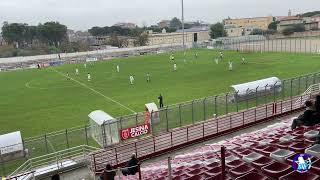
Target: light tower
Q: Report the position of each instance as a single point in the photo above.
(182, 20)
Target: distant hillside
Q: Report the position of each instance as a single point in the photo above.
(309, 14)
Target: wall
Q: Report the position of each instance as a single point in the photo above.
(259, 22)
(172, 38)
(278, 45)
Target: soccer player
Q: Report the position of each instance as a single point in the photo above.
(68, 77)
(148, 78)
(85, 65)
(243, 60)
(89, 77)
(160, 101)
(230, 66)
(131, 79)
(77, 71)
(175, 67)
(118, 68)
(216, 60)
(196, 55)
(221, 55)
(172, 57)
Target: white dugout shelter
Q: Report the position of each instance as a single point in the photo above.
(153, 111)
(104, 128)
(11, 146)
(258, 86)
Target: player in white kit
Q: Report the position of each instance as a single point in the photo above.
(77, 71)
(89, 77)
(243, 60)
(118, 68)
(85, 65)
(216, 60)
(131, 78)
(221, 55)
(230, 66)
(175, 67)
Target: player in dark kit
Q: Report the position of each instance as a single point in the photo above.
(160, 101)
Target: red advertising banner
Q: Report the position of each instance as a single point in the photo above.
(135, 131)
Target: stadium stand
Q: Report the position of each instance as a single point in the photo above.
(264, 154)
(258, 155)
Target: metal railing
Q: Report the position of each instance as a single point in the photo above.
(55, 161)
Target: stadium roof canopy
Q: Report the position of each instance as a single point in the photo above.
(259, 85)
(11, 142)
(100, 117)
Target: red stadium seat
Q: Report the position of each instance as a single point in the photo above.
(235, 163)
(259, 163)
(213, 165)
(299, 176)
(218, 177)
(195, 172)
(315, 166)
(252, 176)
(268, 150)
(276, 170)
(284, 145)
(240, 170)
(299, 147)
(196, 177)
(244, 153)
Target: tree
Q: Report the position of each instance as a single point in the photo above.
(114, 40)
(96, 31)
(142, 39)
(14, 33)
(31, 34)
(217, 30)
(294, 28)
(273, 25)
(310, 14)
(256, 32)
(53, 33)
(175, 23)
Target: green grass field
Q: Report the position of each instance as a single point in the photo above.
(41, 101)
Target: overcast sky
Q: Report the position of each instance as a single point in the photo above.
(83, 14)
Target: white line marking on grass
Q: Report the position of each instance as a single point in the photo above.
(50, 144)
(95, 91)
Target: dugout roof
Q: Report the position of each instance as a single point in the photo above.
(11, 142)
(152, 107)
(261, 84)
(100, 117)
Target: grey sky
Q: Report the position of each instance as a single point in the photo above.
(83, 14)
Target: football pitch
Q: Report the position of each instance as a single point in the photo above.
(41, 101)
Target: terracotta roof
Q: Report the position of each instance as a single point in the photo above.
(290, 18)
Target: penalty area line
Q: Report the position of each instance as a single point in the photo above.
(95, 91)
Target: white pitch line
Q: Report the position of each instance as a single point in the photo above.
(97, 92)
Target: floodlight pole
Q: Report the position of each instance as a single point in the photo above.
(182, 20)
